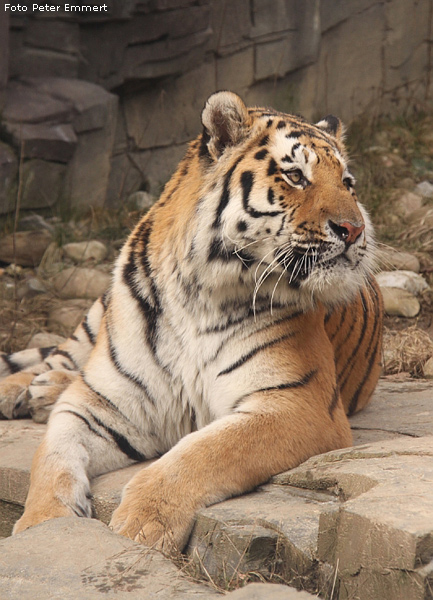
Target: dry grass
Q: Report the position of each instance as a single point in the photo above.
(21, 319)
(406, 350)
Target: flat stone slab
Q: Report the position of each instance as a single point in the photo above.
(357, 521)
(69, 558)
(272, 532)
(398, 409)
(268, 591)
(379, 539)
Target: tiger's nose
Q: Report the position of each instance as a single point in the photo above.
(346, 231)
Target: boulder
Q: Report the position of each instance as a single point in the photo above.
(400, 303)
(25, 248)
(75, 282)
(60, 36)
(407, 203)
(83, 251)
(425, 189)
(30, 287)
(39, 62)
(42, 183)
(160, 43)
(45, 340)
(380, 539)
(27, 104)
(66, 127)
(68, 315)
(44, 140)
(404, 280)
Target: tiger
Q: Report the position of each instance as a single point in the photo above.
(242, 326)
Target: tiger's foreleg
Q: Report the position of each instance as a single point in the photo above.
(75, 449)
(232, 455)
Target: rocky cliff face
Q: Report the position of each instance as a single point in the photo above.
(146, 67)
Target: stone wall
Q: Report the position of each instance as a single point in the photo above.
(152, 63)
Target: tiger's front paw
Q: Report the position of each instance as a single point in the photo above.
(154, 513)
(14, 395)
(37, 516)
(44, 391)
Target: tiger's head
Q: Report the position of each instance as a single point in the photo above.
(281, 207)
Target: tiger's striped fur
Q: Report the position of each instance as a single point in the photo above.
(242, 323)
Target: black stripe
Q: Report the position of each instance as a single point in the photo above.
(121, 369)
(72, 412)
(295, 147)
(74, 337)
(219, 251)
(260, 155)
(109, 404)
(131, 275)
(12, 366)
(104, 299)
(250, 313)
(256, 333)
(204, 148)
(246, 357)
(271, 196)
(290, 385)
(377, 323)
(44, 352)
(348, 366)
(121, 442)
(342, 318)
(88, 331)
(347, 336)
(65, 354)
(225, 196)
(247, 182)
(282, 386)
(334, 401)
(355, 397)
(272, 167)
(328, 316)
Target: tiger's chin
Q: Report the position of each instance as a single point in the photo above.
(335, 286)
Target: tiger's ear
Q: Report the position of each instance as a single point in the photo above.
(225, 121)
(332, 125)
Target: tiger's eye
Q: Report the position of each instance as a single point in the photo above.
(295, 176)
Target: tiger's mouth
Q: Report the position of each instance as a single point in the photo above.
(299, 264)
